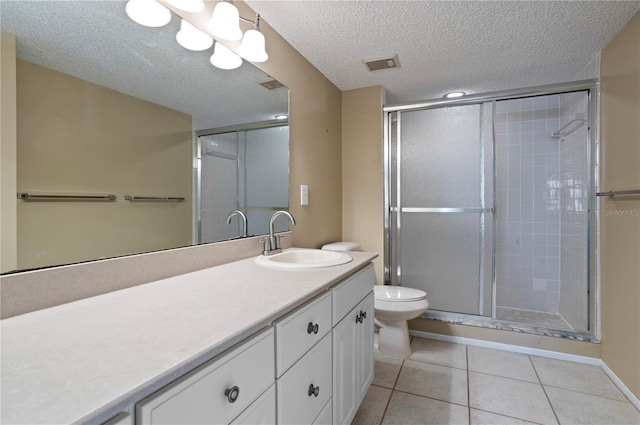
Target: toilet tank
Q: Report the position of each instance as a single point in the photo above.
(341, 246)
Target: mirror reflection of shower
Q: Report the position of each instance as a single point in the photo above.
(245, 170)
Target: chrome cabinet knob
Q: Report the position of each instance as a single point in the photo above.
(232, 394)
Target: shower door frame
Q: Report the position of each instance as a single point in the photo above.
(592, 87)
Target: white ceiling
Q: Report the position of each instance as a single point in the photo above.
(442, 46)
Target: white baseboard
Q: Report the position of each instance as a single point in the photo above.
(625, 390)
(535, 352)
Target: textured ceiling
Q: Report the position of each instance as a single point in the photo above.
(96, 41)
(442, 46)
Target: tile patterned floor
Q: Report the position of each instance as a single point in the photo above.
(535, 318)
(446, 383)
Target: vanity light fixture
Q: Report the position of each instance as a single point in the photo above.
(225, 22)
(224, 58)
(192, 38)
(149, 13)
(252, 46)
(454, 94)
(225, 25)
(193, 6)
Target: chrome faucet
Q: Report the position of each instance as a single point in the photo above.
(244, 220)
(271, 245)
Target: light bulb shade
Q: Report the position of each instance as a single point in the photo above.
(192, 38)
(252, 46)
(193, 6)
(224, 58)
(225, 22)
(149, 13)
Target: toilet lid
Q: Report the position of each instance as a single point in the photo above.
(397, 293)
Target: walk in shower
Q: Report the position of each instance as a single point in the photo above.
(490, 207)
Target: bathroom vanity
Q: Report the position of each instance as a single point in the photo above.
(237, 343)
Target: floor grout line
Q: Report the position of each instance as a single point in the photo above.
(430, 398)
(626, 400)
(392, 391)
(553, 410)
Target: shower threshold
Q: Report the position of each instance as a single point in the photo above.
(507, 325)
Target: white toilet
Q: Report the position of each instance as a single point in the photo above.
(394, 306)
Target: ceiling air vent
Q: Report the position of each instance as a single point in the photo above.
(271, 84)
(384, 63)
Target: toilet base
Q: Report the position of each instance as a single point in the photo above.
(393, 339)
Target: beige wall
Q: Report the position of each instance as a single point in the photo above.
(315, 140)
(8, 204)
(79, 138)
(362, 180)
(314, 131)
(619, 217)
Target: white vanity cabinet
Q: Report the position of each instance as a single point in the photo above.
(313, 366)
(352, 344)
(216, 392)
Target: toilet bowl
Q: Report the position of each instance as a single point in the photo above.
(394, 306)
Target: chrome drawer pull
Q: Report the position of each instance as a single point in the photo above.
(232, 394)
(313, 391)
(312, 328)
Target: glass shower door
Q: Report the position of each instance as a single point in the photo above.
(441, 204)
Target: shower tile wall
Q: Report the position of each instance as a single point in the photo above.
(574, 213)
(528, 204)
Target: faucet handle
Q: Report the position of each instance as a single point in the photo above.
(278, 238)
(265, 247)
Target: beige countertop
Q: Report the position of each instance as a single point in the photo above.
(87, 360)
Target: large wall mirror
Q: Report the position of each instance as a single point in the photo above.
(109, 107)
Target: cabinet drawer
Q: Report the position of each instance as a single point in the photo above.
(313, 371)
(324, 418)
(351, 291)
(300, 331)
(199, 397)
(261, 412)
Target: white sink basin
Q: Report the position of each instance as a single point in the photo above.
(304, 259)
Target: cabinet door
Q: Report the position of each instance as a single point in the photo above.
(324, 418)
(345, 368)
(365, 346)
